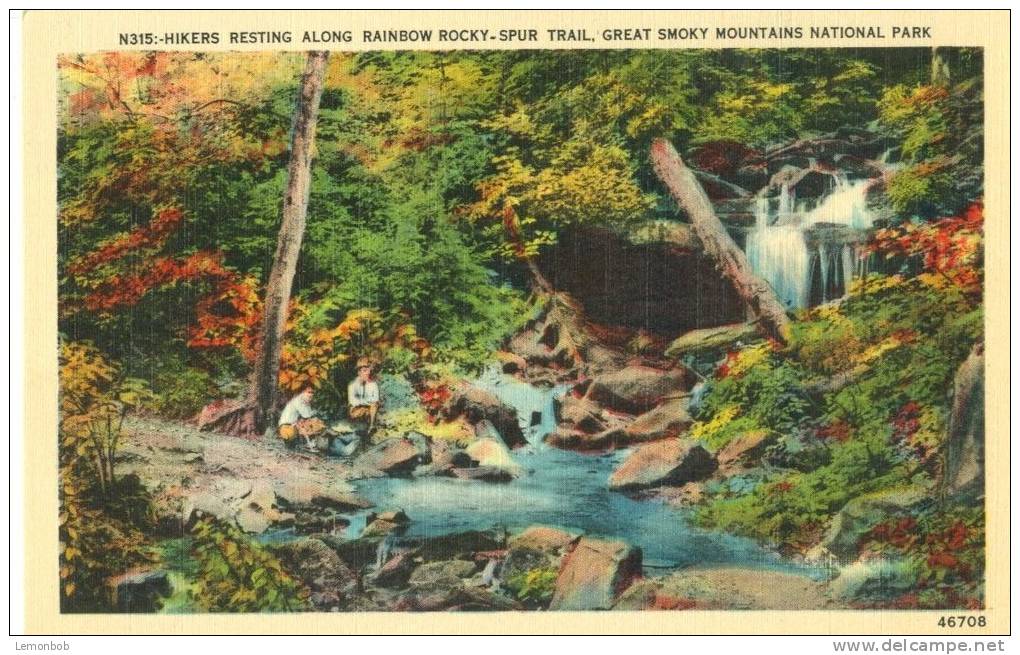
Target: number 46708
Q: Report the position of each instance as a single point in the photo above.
(962, 622)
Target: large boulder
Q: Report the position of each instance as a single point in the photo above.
(478, 405)
(637, 389)
(493, 455)
(730, 588)
(667, 462)
(394, 457)
(320, 568)
(139, 592)
(594, 574)
(670, 419)
(537, 548)
(964, 472)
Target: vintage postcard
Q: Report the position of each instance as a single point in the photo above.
(639, 322)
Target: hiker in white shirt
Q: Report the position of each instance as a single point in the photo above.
(363, 396)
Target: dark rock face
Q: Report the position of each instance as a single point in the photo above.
(637, 285)
(450, 546)
(358, 554)
(140, 592)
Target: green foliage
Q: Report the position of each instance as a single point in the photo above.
(758, 113)
(235, 574)
(181, 391)
(922, 189)
(940, 134)
(757, 389)
(534, 587)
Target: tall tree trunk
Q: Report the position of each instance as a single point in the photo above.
(252, 416)
(761, 300)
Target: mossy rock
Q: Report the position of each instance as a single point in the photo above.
(863, 513)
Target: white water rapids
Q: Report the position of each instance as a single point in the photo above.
(779, 252)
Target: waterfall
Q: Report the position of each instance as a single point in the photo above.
(778, 250)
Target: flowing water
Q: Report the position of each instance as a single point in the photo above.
(563, 489)
(779, 248)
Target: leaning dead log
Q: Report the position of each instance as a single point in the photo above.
(756, 293)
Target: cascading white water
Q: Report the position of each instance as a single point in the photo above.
(778, 250)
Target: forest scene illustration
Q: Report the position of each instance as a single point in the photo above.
(632, 330)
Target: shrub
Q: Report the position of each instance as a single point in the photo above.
(534, 587)
(181, 391)
(236, 574)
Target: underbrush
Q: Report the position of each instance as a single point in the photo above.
(855, 403)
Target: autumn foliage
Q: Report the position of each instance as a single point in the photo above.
(949, 247)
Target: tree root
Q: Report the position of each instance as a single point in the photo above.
(239, 418)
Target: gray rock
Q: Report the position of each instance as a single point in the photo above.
(860, 515)
(483, 473)
(964, 471)
(395, 572)
(319, 567)
(140, 592)
(442, 575)
(394, 457)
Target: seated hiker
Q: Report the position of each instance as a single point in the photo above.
(363, 396)
(298, 418)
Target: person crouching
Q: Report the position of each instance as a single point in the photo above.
(298, 419)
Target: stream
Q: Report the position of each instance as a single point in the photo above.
(563, 489)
